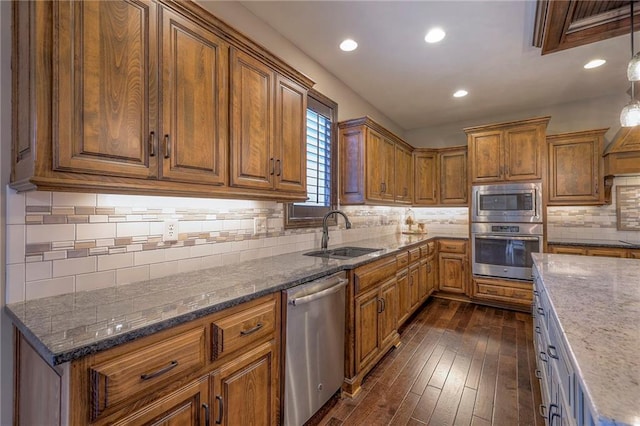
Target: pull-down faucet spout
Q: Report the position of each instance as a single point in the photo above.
(325, 227)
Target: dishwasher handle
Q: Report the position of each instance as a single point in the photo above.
(340, 283)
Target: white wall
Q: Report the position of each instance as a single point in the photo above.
(351, 105)
(6, 344)
(585, 115)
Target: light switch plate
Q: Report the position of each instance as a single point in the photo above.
(170, 230)
(259, 225)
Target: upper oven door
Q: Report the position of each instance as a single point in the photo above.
(521, 202)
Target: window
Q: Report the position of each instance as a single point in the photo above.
(321, 148)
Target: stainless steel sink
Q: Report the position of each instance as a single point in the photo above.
(342, 252)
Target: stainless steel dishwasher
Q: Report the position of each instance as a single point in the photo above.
(314, 358)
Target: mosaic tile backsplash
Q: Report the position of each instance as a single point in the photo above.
(596, 222)
(67, 242)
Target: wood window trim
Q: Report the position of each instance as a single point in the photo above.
(299, 216)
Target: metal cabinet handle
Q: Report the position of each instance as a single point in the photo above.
(251, 330)
(539, 374)
(278, 168)
(171, 366)
(540, 311)
(541, 409)
(152, 144)
(552, 413)
(535, 293)
(379, 306)
(596, 186)
(537, 329)
(220, 409)
(207, 414)
(384, 305)
(273, 167)
(552, 351)
(167, 146)
(544, 357)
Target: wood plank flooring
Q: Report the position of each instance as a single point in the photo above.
(458, 364)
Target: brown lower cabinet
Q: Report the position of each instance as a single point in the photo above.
(453, 266)
(222, 368)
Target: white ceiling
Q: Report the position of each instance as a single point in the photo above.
(487, 51)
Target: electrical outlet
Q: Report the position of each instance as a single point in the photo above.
(170, 230)
(259, 225)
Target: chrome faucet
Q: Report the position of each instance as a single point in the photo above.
(325, 228)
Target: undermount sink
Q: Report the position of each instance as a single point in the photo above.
(342, 252)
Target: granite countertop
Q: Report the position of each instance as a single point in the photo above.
(67, 327)
(597, 303)
(594, 242)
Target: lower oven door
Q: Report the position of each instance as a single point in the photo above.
(504, 256)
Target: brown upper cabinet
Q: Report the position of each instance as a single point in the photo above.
(576, 168)
(440, 176)
(268, 123)
(510, 151)
(135, 97)
(375, 164)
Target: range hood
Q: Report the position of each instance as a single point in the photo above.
(622, 156)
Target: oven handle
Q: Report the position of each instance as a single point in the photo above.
(499, 237)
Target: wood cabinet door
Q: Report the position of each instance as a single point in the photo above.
(452, 272)
(374, 165)
(387, 166)
(522, 153)
(188, 406)
(245, 390)
(252, 117)
(193, 141)
(353, 165)
(367, 308)
(403, 176)
(432, 272)
(404, 296)
(423, 283)
(414, 286)
(290, 136)
(575, 169)
(485, 150)
(389, 315)
(105, 91)
(453, 178)
(425, 178)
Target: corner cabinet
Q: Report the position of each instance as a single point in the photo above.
(134, 97)
(506, 152)
(440, 177)
(222, 368)
(375, 164)
(576, 169)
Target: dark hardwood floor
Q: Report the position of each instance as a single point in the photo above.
(458, 364)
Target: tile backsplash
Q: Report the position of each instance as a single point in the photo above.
(67, 242)
(597, 222)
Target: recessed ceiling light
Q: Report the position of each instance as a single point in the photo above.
(594, 63)
(348, 45)
(434, 35)
(460, 93)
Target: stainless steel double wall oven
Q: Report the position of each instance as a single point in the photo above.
(506, 227)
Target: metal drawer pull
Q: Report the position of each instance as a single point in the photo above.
(539, 374)
(207, 415)
(167, 146)
(552, 414)
(541, 311)
(537, 329)
(171, 366)
(251, 330)
(543, 357)
(152, 144)
(552, 351)
(541, 410)
(220, 409)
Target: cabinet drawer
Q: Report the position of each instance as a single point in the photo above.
(145, 370)
(369, 275)
(236, 331)
(414, 255)
(452, 246)
(402, 260)
(503, 291)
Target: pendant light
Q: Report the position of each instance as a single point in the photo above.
(630, 115)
